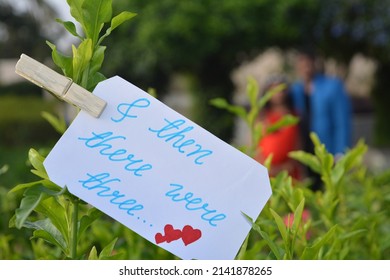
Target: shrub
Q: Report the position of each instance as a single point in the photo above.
(348, 219)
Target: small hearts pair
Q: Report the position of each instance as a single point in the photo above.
(188, 234)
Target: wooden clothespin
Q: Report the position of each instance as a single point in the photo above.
(61, 86)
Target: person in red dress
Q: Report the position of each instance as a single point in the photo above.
(284, 140)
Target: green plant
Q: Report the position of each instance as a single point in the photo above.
(256, 128)
(349, 219)
(62, 218)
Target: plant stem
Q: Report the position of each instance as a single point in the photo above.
(75, 216)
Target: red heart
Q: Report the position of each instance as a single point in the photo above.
(159, 238)
(190, 235)
(171, 234)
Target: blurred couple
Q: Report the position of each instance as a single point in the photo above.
(322, 105)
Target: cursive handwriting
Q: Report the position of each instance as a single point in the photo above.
(125, 108)
(105, 141)
(195, 204)
(172, 133)
(100, 184)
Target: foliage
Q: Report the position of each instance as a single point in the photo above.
(58, 220)
(349, 219)
(256, 128)
(86, 60)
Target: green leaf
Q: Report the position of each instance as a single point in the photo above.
(297, 221)
(327, 161)
(94, 77)
(106, 253)
(94, 80)
(95, 14)
(282, 228)
(283, 122)
(221, 103)
(87, 220)
(52, 188)
(62, 61)
(257, 132)
(337, 174)
(293, 196)
(39, 173)
(76, 10)
(311, 253)
(36, 161)
(70, 26)
(251, 117)
(278, 182)
(45, 186)
(353, 157)
(81, 59)
(12, 222)
(58, 123)
(117, 21)
(48, 237)
(268, 161)
(97, 60)
(120, 19)
(252, 91)
(298, 216)
(272, 245)
(243, 248)
(307, 159)
(314, 138)
(52, 209)
(274, 248)
(46, 230)
(32, 197)
(351, 234)
(25, 186)
(269, 94)
(93, 254)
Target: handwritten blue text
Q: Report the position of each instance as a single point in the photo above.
(125, 108)
(171, 133)
(105, 141)
(100, 184)
(195, 204)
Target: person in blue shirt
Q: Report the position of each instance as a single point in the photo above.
(323, 105)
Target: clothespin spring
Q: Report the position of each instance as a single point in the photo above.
(61, 86)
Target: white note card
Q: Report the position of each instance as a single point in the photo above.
(160, 174)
